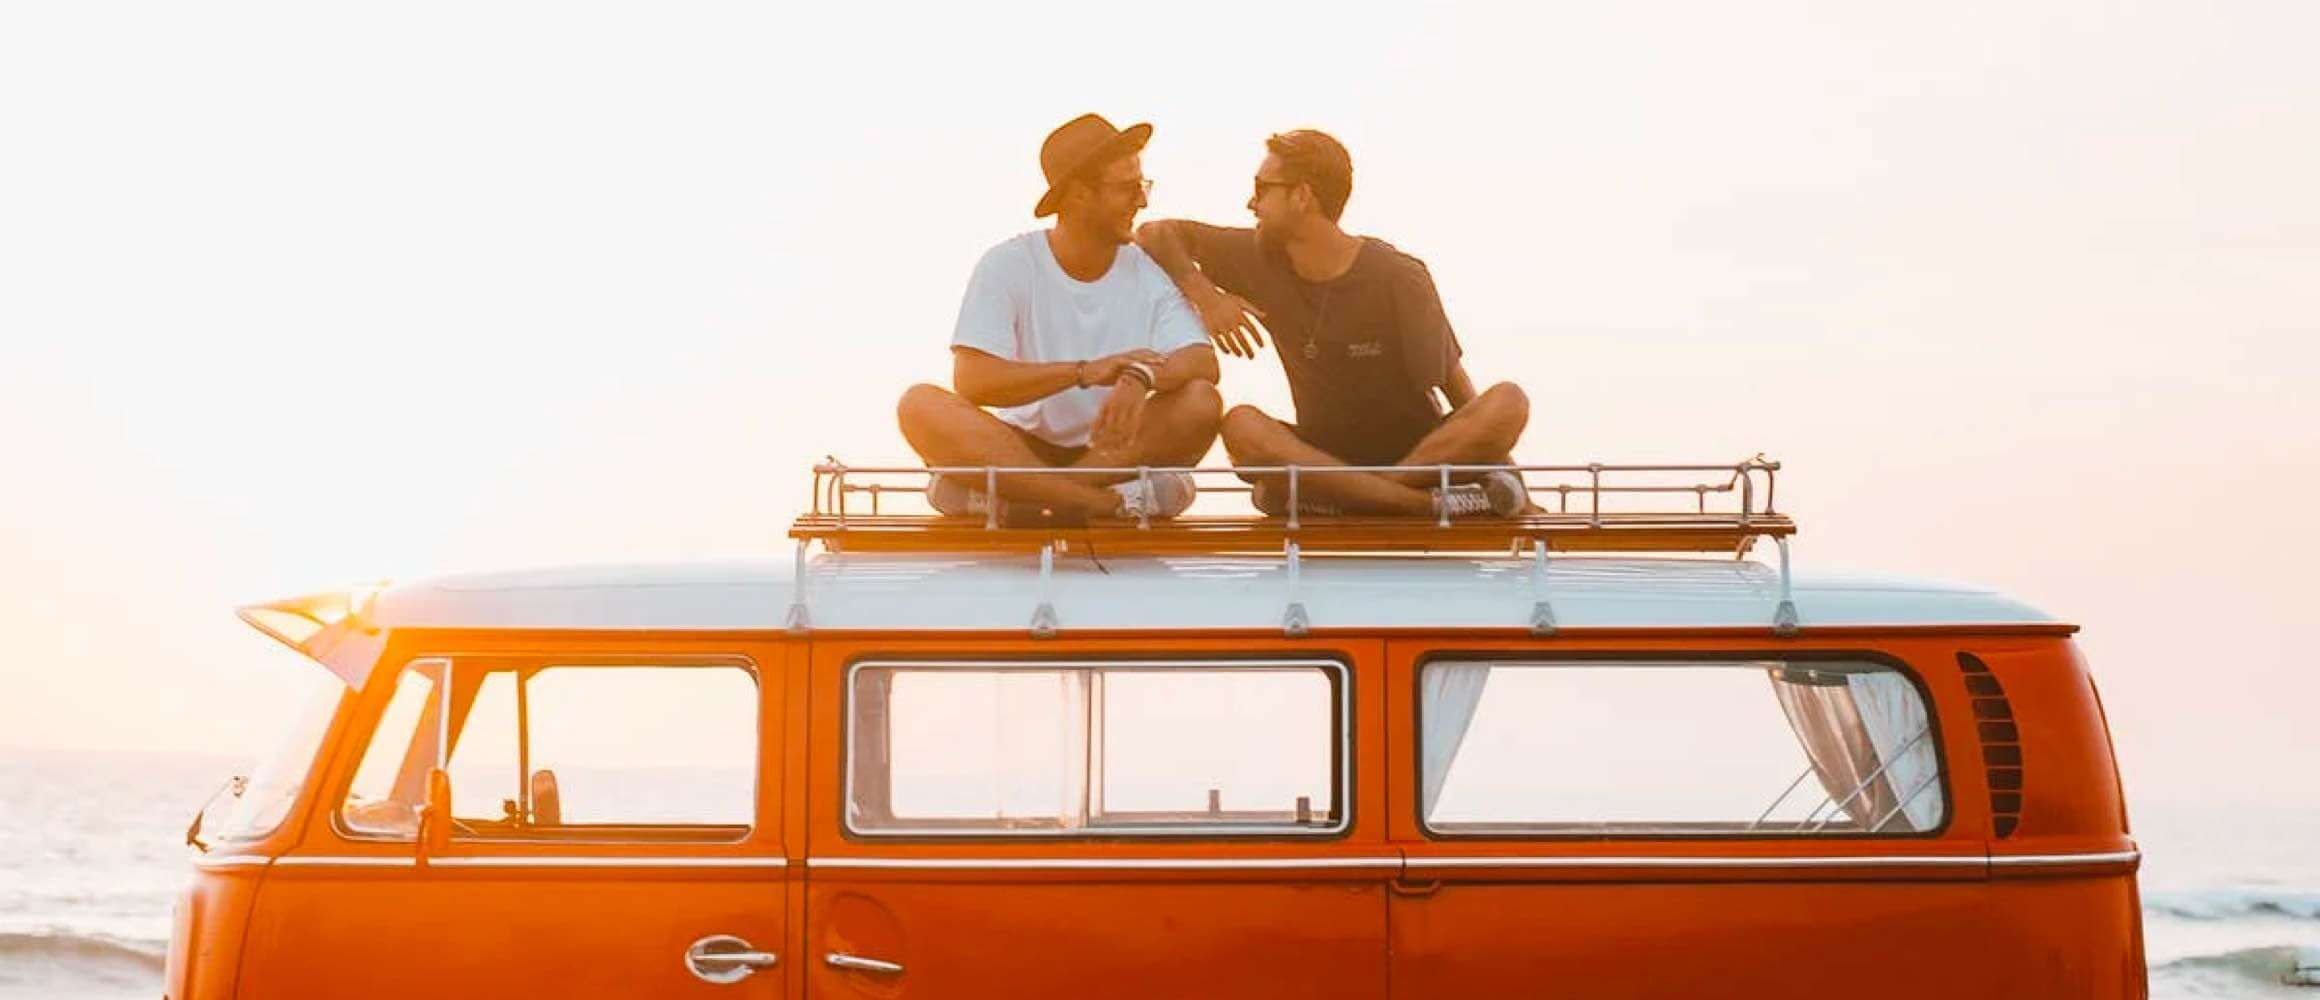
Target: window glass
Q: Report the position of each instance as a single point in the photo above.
(485, 759)
(1676, 748)
(613, 752)
(273, 786)
(391, 782)
(1098, 749)
(645, 746)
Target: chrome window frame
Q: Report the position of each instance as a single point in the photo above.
(543, 660)
(1338, 671)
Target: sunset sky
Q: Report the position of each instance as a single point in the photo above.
(294, 296)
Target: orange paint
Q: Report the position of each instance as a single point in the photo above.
(1379, 909)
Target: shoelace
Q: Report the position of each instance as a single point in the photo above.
(1135, 500)
(1462, 500)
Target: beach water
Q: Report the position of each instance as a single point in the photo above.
(92, 852)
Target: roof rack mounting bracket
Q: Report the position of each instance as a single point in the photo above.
(799, 622)
(1295, 623)
(1784, 621)
(1542, 611)
(1043, 617)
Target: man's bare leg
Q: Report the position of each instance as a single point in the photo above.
(1482, 432)
(945, 429)
(1253, 438)
(1179, 427)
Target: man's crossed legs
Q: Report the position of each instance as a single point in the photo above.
(1483, 432)
(1177, 428)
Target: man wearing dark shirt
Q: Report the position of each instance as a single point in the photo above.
(1362, 338)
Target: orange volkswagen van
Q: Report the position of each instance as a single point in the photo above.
(1594, 751)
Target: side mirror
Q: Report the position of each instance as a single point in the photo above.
(435, 815)
(547, 802)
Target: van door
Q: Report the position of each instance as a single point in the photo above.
(1106, 820)
(617, 833)
(1655, 822)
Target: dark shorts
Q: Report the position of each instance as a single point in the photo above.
(1369, 449)
(1050, 454)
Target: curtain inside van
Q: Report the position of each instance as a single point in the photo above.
(1895, 717)
(1866, 736)
(1449, 694)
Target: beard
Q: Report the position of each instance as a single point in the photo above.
(1269, 236)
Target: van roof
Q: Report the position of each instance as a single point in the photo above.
(1001, 591)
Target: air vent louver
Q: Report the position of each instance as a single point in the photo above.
(2001, 744)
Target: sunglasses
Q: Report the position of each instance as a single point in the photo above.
(1141, 185)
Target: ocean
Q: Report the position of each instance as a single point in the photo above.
(92, 851)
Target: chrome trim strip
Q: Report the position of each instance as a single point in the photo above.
(1886, 861)
(1889, 861)
(2045, 860)
(1194, 864)
(623, 862)
(1099, 864)
(322, 861)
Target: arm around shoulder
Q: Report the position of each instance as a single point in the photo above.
(1170, 246)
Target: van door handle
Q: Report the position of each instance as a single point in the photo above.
(841, 960)
(723, 958)
(1414, 890)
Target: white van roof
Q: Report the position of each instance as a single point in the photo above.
(999, 592)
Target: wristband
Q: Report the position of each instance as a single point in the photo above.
(1144, 373)
(1079, 374)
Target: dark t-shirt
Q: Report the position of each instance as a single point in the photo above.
(1363, 351)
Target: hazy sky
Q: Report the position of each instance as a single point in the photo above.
(298, 295)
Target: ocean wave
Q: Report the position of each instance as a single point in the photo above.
(2244, 972)
(2233, 904)
(83, 949)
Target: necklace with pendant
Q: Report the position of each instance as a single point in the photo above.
(1313, 331)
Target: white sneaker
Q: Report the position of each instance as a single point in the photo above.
(952, 498)
(1508, 496)
(1496, 494)
(1170, 494)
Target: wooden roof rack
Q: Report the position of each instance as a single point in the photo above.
(1596, 507)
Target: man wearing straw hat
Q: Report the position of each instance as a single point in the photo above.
(1364, 343)
(1072, 350)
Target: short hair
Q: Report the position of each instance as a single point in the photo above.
(1317, 161)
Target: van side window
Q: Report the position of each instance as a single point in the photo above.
(1676, 748)
(1096, 749)
(594, 752)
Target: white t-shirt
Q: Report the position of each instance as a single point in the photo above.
(1020, 306)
